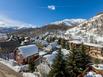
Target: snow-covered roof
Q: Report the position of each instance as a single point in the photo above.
(99, 38)
(94, 45)
(50, 57)
(43, 68)
(42, 53)
(28, 50)
(89, 44)
(54, 44)
(65, 51)
(43, 42)
(75, 41)
(98, 66)
(98, 75)
(49, 47)
(92, 74)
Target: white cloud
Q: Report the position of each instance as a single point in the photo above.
(51, 7)
(8, 22)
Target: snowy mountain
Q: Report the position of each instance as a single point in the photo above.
(69, 22)
(11, 29)
(89, 31)
(9, 25)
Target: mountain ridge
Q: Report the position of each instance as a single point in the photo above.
(62, 25)
(69, 22)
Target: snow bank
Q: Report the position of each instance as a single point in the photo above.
(29, 75)
(42, 53)
(10, 64)
(13, 65)
(65, 51)
(51, 57)
(43, 68)
(92, 74)
(98, 66)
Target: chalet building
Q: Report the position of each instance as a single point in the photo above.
(26, 41)
(26, 54)
(89, 46)
(51, 47)
(94, 50)
(74, 44)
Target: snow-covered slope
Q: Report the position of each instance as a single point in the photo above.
(88, 31)
(9, 25)
(69, 22)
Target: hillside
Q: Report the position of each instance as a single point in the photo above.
(41, 30)
(89, 31)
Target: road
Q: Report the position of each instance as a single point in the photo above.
(7, 72)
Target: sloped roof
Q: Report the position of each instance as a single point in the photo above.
(28, 50)
(94, 45)
(89, 44)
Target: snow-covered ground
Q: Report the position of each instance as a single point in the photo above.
(51, 57)
(12, 64)
(29, 75)
(90, 31)
(92, 74)
(98, 66)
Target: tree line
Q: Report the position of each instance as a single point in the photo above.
(71, 65)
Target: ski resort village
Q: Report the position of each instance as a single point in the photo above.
(51, 38)
(75, 52)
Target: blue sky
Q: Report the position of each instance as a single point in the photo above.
(40, 12)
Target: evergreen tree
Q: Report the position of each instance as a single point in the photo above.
(83, 59)
(49, 39)
(32, 66)
(71, 67)
(77, 61)
(63, 43)
(53, 38)
(67, 46)
(58, 66)
(59, 41)
(97, 61)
